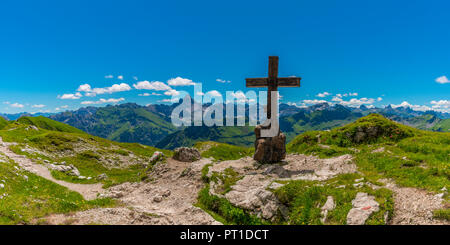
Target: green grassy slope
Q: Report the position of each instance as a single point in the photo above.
(91, 155)
(442, 126)
(317, 120)
(3, 123)
(410, 156)
(222, 151)
(26, 197)
(48, 124)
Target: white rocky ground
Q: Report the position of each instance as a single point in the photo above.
(170, 195)
(415, 207)
(166, 200)
(251, 192)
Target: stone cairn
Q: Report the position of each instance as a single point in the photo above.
(270, 149)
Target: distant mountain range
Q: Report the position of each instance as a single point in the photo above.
(124, 123)
(15, 116)
(151, 125)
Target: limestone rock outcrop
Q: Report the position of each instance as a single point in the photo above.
(186, 154)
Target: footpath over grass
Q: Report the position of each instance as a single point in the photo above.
(92, 156)
(26, 196)
(385, 149)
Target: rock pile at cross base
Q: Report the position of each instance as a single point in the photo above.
(269, 150)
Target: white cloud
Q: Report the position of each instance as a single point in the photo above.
(91, 92)
(441, 105)
(313, 102)
(84, 88)
(442, 80)
(109, 76)
(172, 92)
(61, 107)
(174, 100)
(379, 99)
(114, 88)
(102, 101)
(215, 93)
(179, 81)
(403, 104)
(42, 111)
(222, 81)
(238, 95)
(120, 77)
(148, 94)
(200, 93)
(155, 85)
(414, 107)
(357, 102)
(135, 78)
(322, 95)
(295, 104)
(337, 99)
(346, 94)
(38, 106)
(70, 96)
(17, 105)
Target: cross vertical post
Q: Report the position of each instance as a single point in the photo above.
(272, 83)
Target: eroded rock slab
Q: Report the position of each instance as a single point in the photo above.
(251, 193)
(328, 206)
(363, 206)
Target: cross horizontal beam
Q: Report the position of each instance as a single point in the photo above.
(264, 82)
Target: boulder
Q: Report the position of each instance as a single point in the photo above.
(157, 199)
(102, 177)
(156, 157)
(270, 149)
(74, 171)
(250, 193)
(60, 168)
(166, 193)
(328, 206)
(186, 154)
(363, 206)
(32, 127)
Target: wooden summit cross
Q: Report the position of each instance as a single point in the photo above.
(272, 82)
(271, 149)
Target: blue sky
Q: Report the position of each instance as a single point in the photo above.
(386, 52)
